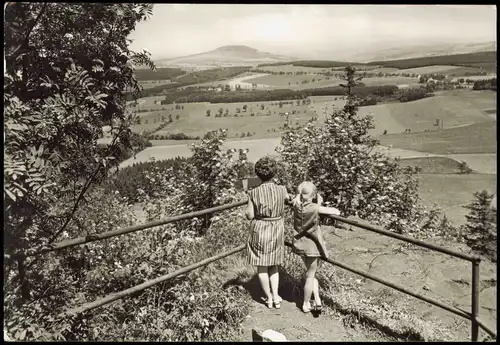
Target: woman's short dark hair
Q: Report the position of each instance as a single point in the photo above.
(266, 168)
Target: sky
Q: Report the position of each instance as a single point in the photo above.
(304, 30)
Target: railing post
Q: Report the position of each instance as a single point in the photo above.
(475, 300)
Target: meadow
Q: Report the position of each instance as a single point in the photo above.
(454, 71)
(308, 81)
(147, 84)
(457, 109)
(192, 118)
(454, 108)
(475, 138)
(452, 192)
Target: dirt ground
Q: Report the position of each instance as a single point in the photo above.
(296, 325)
(420, 270)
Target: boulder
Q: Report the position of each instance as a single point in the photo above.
(268, 335)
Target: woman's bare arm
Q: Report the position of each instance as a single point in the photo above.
(249, 212)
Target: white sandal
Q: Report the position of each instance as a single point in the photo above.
(277, 303)
(306, 309)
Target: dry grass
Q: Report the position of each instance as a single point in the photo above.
(452, 192)
(454, 108)
(476, 138)
(433, 165)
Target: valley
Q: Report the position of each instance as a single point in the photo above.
(467, 130)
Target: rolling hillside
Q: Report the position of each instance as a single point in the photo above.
(469, 60)
(476, 138)
(399, 52)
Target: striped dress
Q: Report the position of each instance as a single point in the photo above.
(266, 244)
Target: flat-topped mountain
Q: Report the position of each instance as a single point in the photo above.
(232, 55)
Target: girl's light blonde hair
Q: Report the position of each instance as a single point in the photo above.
(307, 191)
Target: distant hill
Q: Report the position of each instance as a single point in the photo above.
(487, 60)
(418, 51)
(235, 55)
(484, 60)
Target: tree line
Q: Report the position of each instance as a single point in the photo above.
(158, 74)
(198, 77)
(455, 60)
(192, 95)
(485, 84)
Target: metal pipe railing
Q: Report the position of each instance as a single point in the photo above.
(432, 301)
(490, 332)
(150, 283)
(97, 237)
(475, 301)
(379, 230)
(476, 323)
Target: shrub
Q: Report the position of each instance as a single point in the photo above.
(485, 84)
(413, 94)
(134, 182)
(480, 231)
(337, 158)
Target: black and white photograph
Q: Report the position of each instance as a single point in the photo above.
(203, 172)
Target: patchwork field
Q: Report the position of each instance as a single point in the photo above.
(454, 108)
(293, 69)
(476, 138)
(146, 84)
(295, 82)
(446, 69)
(469, 125)
(192, 118)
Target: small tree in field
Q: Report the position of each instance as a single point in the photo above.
(339, 158)
(480, 232)
(464, 168)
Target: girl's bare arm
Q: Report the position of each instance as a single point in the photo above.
(328, 211)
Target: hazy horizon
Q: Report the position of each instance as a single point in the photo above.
(182, 29)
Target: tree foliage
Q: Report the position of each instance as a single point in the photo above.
(480, 232)
(341, 159)
(67, 67)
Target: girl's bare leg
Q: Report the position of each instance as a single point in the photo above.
(274, 278)
(311, 266)
(262, 272)
(317, 299)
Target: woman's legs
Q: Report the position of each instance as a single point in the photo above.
(264, 281)
(274, 278)
(309, 288)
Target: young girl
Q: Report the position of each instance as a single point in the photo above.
(308, 242)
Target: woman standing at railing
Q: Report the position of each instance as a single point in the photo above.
(266, 245)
